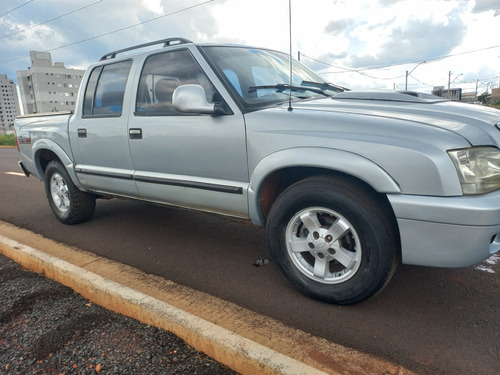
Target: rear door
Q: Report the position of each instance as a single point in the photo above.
(102, 153)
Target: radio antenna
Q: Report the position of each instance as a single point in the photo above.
(290, 57)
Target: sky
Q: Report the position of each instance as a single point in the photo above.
(359, 44)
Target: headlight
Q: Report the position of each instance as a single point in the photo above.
(478, 169)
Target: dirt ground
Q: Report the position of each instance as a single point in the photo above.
(45, 328)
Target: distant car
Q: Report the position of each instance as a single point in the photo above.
(348, 184)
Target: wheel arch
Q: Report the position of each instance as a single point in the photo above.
(280, 170)
(45, 151)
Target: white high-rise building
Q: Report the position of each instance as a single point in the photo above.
(48, 88)
(9, 104)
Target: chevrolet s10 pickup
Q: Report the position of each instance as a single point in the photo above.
(348, 184)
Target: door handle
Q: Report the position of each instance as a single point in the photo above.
(135, 133)
(82, 133)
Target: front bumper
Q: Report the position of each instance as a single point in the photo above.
(447, 231)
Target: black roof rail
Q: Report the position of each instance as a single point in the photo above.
(165, 42)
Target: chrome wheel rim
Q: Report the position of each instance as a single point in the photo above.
(323, 245)
(59, 192)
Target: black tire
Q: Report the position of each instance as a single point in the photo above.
(333, 239)
(70, 205)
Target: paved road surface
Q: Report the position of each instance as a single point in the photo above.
(432, 321)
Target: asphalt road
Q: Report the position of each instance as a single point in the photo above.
(431, 321)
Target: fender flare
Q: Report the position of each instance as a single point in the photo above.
(331, 159)
(41, 145)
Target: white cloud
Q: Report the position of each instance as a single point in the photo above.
(153, 5)
(250, 22)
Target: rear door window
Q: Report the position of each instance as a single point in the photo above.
(106, 89)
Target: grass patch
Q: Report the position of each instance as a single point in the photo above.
(7, 140)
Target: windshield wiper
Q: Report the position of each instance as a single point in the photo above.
(325, 86)
(284, 86)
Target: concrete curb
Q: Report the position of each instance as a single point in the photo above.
(239, 353)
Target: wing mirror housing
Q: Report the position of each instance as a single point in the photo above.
(193, 99)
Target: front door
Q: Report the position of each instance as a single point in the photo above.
(194, 161)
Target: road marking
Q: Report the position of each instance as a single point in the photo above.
(15, 173)
(487, 265)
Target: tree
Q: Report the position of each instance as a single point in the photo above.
(484, 97)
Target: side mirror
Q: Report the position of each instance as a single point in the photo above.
(193, 99)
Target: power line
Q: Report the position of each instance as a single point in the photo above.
(20, 6)
(419, 81)
(52, 19)
(360, 71)
(114, 31)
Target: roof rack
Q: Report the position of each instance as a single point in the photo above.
(165, 42)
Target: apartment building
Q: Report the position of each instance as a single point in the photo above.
(454, 94)
(47, 87)
(9, 104)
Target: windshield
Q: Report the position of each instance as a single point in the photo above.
(262, 77)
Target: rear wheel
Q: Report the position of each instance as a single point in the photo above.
(333, 240)
(70, 205)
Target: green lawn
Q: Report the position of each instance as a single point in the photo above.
(7, 140)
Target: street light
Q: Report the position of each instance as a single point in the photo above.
(407, 74)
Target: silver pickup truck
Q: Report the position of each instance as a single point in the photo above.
(348, 184)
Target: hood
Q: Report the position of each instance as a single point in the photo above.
(479, 125)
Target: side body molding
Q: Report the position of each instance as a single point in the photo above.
(331, 159)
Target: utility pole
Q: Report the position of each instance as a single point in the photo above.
(450, 82)
(449, 79)
(407, 74)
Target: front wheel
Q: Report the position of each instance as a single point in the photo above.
(70, 205)
(333, 240)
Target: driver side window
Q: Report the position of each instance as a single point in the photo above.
(161, 75)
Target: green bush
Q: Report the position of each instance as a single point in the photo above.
(7, 140)
(495, 104)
